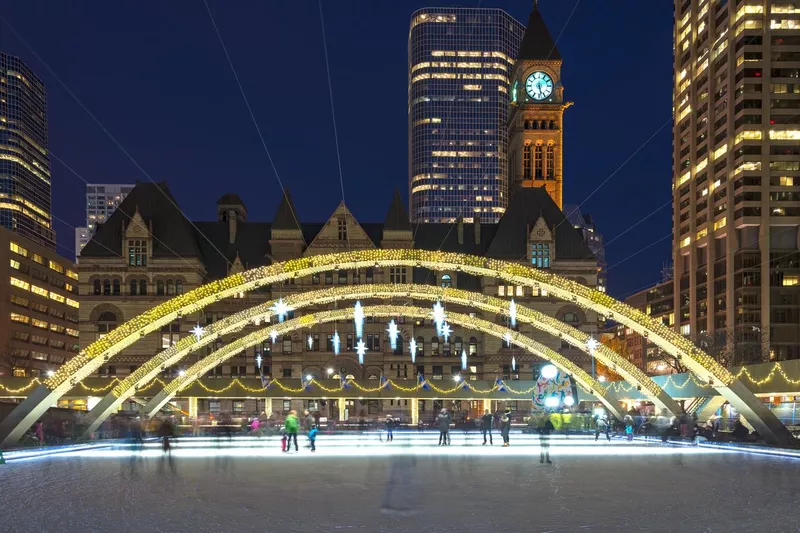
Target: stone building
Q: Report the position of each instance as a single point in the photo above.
(148, 252)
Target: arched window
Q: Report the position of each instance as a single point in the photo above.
(535, 124)
(106, 287)
(170, 287)
(97, 289)
(287, 345)
(116, 287)
(160, 287)
(434, 345)
(537, 163)
(178, 286)
(526, 162)
(399, 348)
(571, 317)
(446, 347)
(134, 287)
(473, 346)
(143, 287)
(420, 347)
(107, 321)
(551, 162)
(459, 345)
(447, 281)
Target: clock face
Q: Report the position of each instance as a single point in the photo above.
(539, 85)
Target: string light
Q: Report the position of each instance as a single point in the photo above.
(393, 333)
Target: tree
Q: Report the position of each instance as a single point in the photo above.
(8, 360)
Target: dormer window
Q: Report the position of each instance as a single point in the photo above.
(342, 229)
(137, 252)
(540, 255)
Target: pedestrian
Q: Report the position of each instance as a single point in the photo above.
(309, 420)
(505, 426)
(443, 421)
(292, 425)
(165, 431)
(40, 433)
(486, 427)
(601, 426)
(545, 429)
(420, 426)
(628, 420)
(312, 437)
(390, 424)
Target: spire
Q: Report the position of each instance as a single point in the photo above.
(537, 42)
(285, 218)
(397, 217)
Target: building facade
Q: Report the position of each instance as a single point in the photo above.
(24, 163)
(536, 117)
(131, 265)
(459, 68)
(101, 200)
(593, 239)
(38, 307)
(656, 302)
(736, 183)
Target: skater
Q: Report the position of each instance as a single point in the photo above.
(628, 427)
(443, 421)
(309, 420)
(390, 424)
(40, 433)
(284, 443)
(601, 426)
(505, 426)
(292, 425)
(545, 428)
(486, 427)
(312, 437)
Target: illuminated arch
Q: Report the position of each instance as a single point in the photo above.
(202, 366)
(261, 313)
(697, 361)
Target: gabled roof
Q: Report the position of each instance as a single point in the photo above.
(397, 217)
(537, 42)
(230, 199)
(175, 235)
(526, 206)
(286, 217)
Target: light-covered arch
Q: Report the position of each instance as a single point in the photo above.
(205, 364)
(263, 313)
(697, 361)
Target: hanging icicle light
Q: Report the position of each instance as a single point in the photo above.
(412, 347)
(273, 335)
(438, 316)
(336, 342)
(310, 343)
(393, 334)
(463, 359)
(507, 338)
(258, 361)
(512, 313)
(446, 331)
(280, 309)
(361, 350)
(513, 363)
(358, 318)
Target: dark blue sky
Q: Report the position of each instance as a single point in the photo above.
(154, 74)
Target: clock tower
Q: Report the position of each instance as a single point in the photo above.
(535, 123)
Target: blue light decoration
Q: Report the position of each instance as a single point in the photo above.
(463, 359)
(513, 363)
(273, 335)
(361, 350)
(446, 331)
(280, 309)
(512, 313)
(358, 318)
(258, 361)
(310, 343)
(507, 338)
(336, 342)
(412, 347)
(393, 334)
(438, 316)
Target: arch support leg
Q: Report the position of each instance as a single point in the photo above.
(14, 426)
(756, 413)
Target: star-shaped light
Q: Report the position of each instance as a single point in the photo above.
(280, 309)
(512, 313)
(438, 316)
(507, 338)
(592, 344)
(513, 363)
(358, 318)
(336, 342)
(412, 347)
(361, 350)
(197, 331)
(393, 334)
(258, 361)
(273, 335)
(463, 359)
(310, 343)
(446, 331)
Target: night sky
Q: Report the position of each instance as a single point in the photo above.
(155, 76)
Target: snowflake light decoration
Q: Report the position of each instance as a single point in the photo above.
(412, 347)
(280, 309)
(361, 350)
(197, 331)
(358, 318)
(446, 331)
(393, 333)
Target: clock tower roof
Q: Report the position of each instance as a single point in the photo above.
(537, 42)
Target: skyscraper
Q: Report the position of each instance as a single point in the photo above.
(736, 183)
(459, 67)
(101, 201)
(24, 163)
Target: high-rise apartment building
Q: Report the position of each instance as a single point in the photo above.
(24, 163)
(101, 201)
(737, 177)
(593, 239)
(459, 67)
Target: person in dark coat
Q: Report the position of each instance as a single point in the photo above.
(486, 426)
(545, 429)
(505, 426)
(390, 425)
(443, 421)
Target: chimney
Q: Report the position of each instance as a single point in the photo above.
(460, 222)
(231, 226)
(477, 221)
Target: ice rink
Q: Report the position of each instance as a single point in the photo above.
(361, 484)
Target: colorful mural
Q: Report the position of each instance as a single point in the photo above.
(559, 386)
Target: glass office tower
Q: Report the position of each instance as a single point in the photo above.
(459, 65)
(24, 163)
